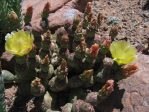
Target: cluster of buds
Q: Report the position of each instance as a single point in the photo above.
(44, 64)
(81, 49)
(37, 89)
(62, 71)
(60, 81)
(45, 44)
(46, 40)
(106, 90)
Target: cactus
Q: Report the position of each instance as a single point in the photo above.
(2, 92)
(95, 98)
(69, 61)
(37, 89)
(92, 98)
(81, 106)
(47, 101)
(67, 107)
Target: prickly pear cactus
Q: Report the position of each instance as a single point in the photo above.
(70, 62)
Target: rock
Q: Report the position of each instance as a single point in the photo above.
(132, 94)
(61, 11)
(136, 95)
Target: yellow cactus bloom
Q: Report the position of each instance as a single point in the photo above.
(123, 52)
(19, 43)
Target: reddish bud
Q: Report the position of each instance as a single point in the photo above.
(89, 7)
(107, 43)
(65, 39)
(45, 60)
(29, 11)
(108, 88)
(47, 7)
(94, 49)
(129, 69)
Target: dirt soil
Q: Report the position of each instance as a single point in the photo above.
(133, 16)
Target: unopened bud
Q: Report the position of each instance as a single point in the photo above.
(46, 36)
(100, 19)
(108, 88)
(37, 89)
(64, 39)
(128, 70)
(29, 11)
(94, 50)
(63, 64)
(88, 73)
(13, 16)
(107, 43)
(88, 7)
(114, 31)
(47, 7)
(45, 60)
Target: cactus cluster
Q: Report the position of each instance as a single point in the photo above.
(64, 66)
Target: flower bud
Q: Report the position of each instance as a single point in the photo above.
(87, 74)
(94, 50)
(88, 8)
(107, 43)
(106, 90)
(13, 16)
(29, 11)
(37, 89)
(47, 7)
(128, 70)
(114, 31)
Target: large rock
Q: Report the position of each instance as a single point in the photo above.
(132, 94)
(61, 11)
(136, 95)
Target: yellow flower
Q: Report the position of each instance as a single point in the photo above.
(19, 43)
(122, 52)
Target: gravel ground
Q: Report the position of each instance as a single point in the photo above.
(133, 16)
